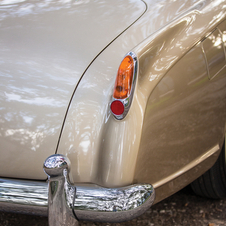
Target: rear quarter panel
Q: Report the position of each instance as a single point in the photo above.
(184, 122)
(148, 145)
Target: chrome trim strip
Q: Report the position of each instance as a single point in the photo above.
(23, 196)
(86, 201)
(128, 101)
(113, 205)
(91, 202)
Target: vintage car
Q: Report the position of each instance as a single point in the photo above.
(124, 102)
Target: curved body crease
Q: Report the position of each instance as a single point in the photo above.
(45, 48)
(59, 63)
(166, 132)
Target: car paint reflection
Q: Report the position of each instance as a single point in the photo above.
(42, 59)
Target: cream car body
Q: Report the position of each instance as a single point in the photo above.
(58, 74)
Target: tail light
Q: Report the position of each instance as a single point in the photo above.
(124, 86)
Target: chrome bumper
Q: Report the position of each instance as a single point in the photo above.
(66, 202)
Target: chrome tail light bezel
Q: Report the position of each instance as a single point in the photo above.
(128, 100)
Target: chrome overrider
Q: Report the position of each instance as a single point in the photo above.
(67, 203)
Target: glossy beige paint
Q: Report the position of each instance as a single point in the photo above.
(184, 121)
(105, 151)
(186, 174)
(45, 47)
(115, 153)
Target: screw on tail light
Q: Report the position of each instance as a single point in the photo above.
(124, 86)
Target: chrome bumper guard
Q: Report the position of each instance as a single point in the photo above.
(67, 203)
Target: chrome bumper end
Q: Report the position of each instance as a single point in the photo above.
(67, 203)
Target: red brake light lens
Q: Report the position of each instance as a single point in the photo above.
(117, 107)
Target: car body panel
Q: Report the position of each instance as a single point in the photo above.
(187, 98)
(164, 58)
(45, 49)
(175, 127)
(105, 151)
(214, 53)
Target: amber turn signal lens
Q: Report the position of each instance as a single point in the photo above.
(123, 83)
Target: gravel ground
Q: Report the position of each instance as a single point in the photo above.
(183, 208)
